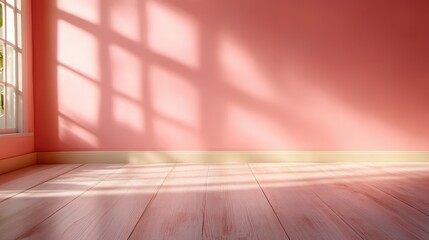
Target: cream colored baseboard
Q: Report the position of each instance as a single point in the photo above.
(14, 163)
(231, 156)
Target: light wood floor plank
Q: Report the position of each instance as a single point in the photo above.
(26, 210)
(411, 170)
(405, 215)
(409, 182)
(236, 207)
(217, 201)
(18, 181)
(109, 210)
(177, 210)
(302, 213)
(359, 210)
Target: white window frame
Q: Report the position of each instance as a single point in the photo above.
(15, 84)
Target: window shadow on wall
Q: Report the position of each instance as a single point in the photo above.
(182, 75)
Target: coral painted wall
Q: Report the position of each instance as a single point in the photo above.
(16, 145)
(231, 75)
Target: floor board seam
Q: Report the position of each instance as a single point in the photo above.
(65, 205)
(339, 217)
(150, 201)
(329, 207)
(40, 183)
(266, 197)
(205, 203)
(393, 196)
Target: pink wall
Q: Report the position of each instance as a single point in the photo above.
(15, 145)
(18, 144)
(231, 75)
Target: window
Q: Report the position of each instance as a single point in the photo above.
(10, 66)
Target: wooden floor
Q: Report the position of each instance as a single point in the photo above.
(216, 201)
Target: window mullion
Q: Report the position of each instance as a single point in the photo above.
(17, 86)
(5, 74)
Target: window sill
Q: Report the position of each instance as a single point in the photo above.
(16, 135)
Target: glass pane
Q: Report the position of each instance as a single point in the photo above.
(10, 29)
(11, 65)
(2, 75)
(19, 71)
(1, 99)
(19, 112)
(2, 21)
(11, 2)
(2, 107)
(18, 5)
(19, 30)
(11, 108)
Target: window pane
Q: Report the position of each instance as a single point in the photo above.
(2, 107)
(11, 76)
(19, 77)
(11, 108)
(19, 30)
(11, 2)
(2, 75)
(10, 29)
(10, 65)
(2, 23)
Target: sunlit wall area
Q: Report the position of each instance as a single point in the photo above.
(229, 75)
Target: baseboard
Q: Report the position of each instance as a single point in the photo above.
(14, 163)
(230, 156)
